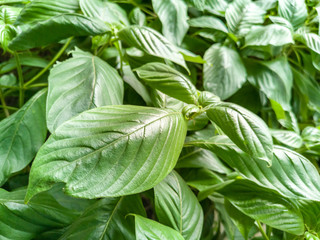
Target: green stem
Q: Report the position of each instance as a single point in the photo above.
(10, 108)
(4, 105)
(119, 48)
(262, 231)
(37, 85)
(9, 87)
(56, 57)
(21, 81)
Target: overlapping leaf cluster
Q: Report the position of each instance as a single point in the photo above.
(161, 119)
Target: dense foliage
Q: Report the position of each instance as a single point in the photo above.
(159, 119)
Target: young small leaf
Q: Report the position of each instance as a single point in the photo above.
(168, 81)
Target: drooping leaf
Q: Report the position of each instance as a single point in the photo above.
(242, 221)
(269, 35)
(224, 72)
(288, 138)
(309, 89)
(137, 17)
(244, 128)
(21, 135)
(241, 15)
(147, 229)
(87, 81)
(294, 11)
(291, 174)
(26, 221)
(56, 29)
(151, 42)
(177, 207)
(264, 205)
(173, 16)
(106, 11)
(168, 81)
(273, 78)
(110, 151)
(107, 219)
(208, 22)
(41, 10)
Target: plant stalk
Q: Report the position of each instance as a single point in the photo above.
(21, 81)
(264, 235)
(4, 105)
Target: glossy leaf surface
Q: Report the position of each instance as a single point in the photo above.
(87, 81)
(178, 207)
(110, 151)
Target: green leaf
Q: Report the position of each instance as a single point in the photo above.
(242, 221)
(169, 81)
(308, 88)
(147, 229)
(173, 16)
(137, 17)
(107, 219)
(295, 11)
(244, 128)
(151, 42)
(177, 207)
(241, 15)
(288, 138)
(201, 158)
(25, 60)
(264, 205)
(273, 78)
(198, 4)
(281, 21)
(110, 151)
(8, 14)
(88, 82)
(270, 35)
(26, 221)
(208, 22)
(291, 174)
(224, 72)
(108, 12)
(311, 40)
(56, 29)
(41, 10)
(21, 135)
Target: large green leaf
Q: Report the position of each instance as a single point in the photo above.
(270, 35)
(107, 219)
(151, 42)
(224, 72)
(41, 10)
(264, 205)
(173, 16)
(110, 151)
(273, 78)
(199, 4)
(147, 229)
(56, 29)
(26, 221)
(208, 22)
(244, 128)
(293, 10)
(87, 81)
(178, 207)
(106, 11)
(169, 81)
(21, 135)
(241, 15)
(291, 174)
